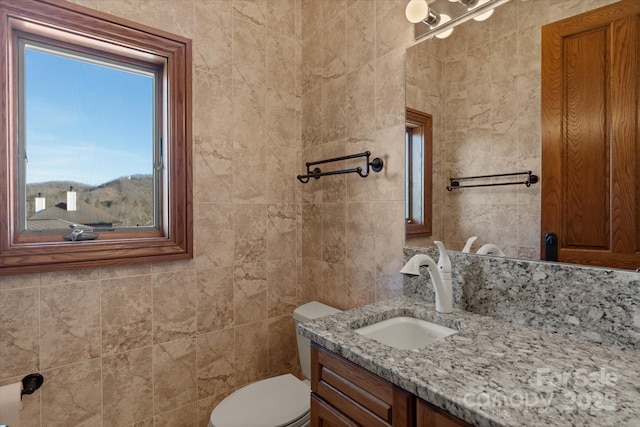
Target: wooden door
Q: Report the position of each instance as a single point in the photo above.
(590, 156)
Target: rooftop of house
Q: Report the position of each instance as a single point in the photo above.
(58, 217)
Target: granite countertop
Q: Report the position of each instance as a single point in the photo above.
(493, 373)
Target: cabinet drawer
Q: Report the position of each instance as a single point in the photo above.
(323, 415)
(362, 396)
(432, 416)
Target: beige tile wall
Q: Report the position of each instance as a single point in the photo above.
(492, 126)
(161, 344)
(353, 100)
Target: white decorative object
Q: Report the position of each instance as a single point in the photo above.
(10, 404)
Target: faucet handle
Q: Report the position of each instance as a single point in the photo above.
(467, 245)
(444, 262)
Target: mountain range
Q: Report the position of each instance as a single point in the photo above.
(130, 199)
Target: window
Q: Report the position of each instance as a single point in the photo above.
(96, 145)
(89, 138)
(418, 149)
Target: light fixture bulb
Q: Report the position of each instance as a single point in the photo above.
(483, 16)
(417, 11)
(443, 20)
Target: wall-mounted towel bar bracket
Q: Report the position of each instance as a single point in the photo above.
(376, 165)
(455, 182)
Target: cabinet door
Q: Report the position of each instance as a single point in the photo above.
(431, 416)
(361, 396)
(590, 155)
(323, 415)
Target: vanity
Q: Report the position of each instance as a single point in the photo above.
(345, 394)
(490, 373)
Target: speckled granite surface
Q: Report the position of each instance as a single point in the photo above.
(494, 373)
(596, 304)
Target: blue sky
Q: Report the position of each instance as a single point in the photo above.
(85, 122)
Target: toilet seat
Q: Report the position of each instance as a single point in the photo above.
(275, 402)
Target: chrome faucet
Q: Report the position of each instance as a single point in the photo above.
(440, 276)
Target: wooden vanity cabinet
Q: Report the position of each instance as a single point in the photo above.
(346, 395)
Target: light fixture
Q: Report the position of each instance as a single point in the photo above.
(416, 11)
(443, 20)
(483, 16)
(432, 19)
(441, 25)
(419, 11)
(466, 3)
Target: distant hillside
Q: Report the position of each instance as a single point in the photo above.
(128, 198)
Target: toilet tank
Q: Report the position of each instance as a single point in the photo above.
(309, 311)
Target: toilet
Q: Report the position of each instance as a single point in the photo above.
(281, 401)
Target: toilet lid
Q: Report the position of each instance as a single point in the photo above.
(273, 402)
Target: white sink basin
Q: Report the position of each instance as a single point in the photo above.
(405, 333)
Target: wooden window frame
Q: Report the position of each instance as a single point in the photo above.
(69, 25)
(423, 123)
